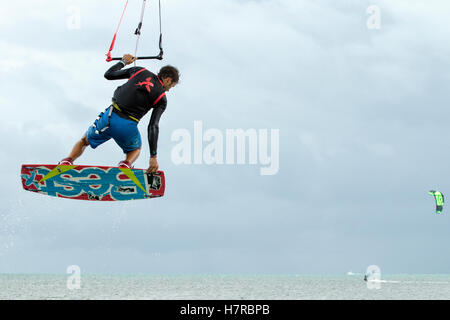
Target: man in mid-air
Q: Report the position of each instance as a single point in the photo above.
(143, 91)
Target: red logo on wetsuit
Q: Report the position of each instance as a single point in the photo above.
(147, 84)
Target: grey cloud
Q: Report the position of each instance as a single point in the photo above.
(362, 118)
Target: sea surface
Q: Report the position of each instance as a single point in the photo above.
(218, 287)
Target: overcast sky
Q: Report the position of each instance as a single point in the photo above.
(363, 124)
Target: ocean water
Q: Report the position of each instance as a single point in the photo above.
(228, 287)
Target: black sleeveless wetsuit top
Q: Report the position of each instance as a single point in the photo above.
(143, 91)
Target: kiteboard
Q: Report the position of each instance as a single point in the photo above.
(95, 183)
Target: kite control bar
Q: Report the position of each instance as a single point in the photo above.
(158, 57)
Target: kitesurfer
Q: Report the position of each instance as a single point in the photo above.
(143, 91)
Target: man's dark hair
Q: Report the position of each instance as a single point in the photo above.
(169, 72)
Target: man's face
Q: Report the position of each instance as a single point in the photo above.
(168, 83)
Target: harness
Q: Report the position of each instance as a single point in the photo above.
(121, 113)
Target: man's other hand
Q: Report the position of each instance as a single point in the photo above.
(153, 167)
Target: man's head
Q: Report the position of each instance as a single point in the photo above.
(169, 76)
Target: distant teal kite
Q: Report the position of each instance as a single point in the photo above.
(439, 198)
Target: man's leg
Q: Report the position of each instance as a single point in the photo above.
(126, 134)
(133, 155)
(130, 159)
(79, 148)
